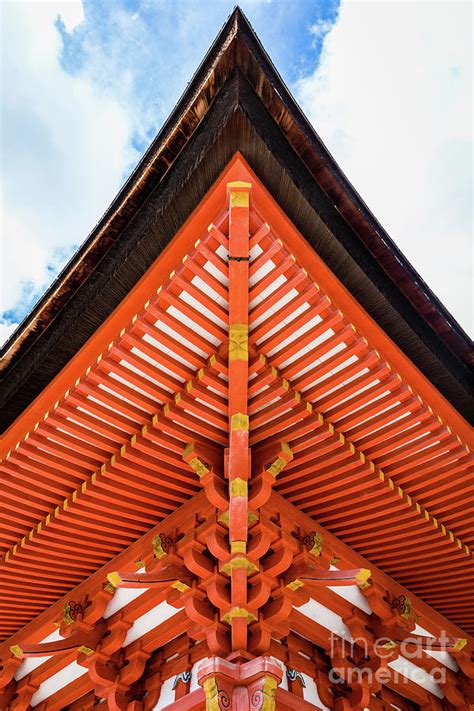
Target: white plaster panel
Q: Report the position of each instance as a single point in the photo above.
(416, 674)
(149, 621)
(166, 695)
(58, 681)
(28, 665)
(193, 684)
(123, 596)
(326, 618)
(310, 693)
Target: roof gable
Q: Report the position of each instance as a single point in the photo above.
(236, 101)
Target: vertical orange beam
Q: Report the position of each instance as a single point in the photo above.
(238, 461)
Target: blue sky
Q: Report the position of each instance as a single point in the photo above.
(86, 85)
(156, 45)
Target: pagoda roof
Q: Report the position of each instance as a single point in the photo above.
(378, 456)
(125, 370)
(235, 101)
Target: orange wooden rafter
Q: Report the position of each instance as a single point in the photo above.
(341, 606)
(342, 442)
(112, 421)
(238, 455)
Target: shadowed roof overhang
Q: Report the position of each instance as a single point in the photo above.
(235, 102)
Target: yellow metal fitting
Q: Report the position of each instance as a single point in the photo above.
(362, 578)
(239, 422)
(239, 563)
(408, 609)
(180, 586)
(295, 584)
(277, 466)
(269, 693)
(224, 518)
(239, 341)
(239, 193)
(238, 612)
(17, 651)
(114, 579)
(238, 546)
(316, 545)
(389, 645)
(157, 544)
(211, 693)
(85, 650)
(238, 487)
(198, 467)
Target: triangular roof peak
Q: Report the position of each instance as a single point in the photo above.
(236, 101)
(238, 326)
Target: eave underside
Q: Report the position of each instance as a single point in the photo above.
(106, 444)
(147, 637)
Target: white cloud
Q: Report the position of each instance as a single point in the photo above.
(82, 98)
(6, 329)
(392, 99)
(64, 145)
(71, 13)
(321, 27)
